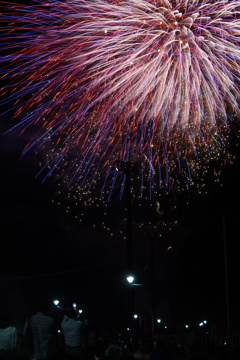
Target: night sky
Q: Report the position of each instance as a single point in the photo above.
(45, 252)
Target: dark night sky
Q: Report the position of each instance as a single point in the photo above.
(45, 252)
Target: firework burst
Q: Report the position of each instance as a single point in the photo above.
(148, 81)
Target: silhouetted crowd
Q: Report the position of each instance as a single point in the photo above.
(71, 338)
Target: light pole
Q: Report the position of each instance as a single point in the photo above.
(226, 276)
(152, 236)
(127, 168)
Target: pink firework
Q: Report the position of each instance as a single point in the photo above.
(99, 81)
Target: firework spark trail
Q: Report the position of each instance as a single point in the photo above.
(113, 80)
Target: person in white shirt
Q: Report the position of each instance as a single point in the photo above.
(8, 337)
(73, 329)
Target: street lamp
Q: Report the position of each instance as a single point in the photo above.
(56, 303)
(130, 279)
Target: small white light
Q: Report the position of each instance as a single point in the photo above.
(130, 279)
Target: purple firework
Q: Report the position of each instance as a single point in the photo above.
(98, 81)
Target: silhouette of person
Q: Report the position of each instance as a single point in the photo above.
(43, 329)
(8, 337)
(73, 330)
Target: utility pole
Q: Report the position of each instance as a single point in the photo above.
(226, 277)
(152, 236)
(127, 168)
